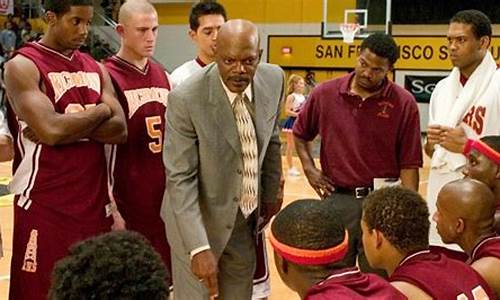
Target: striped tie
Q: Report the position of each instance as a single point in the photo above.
(249, 152)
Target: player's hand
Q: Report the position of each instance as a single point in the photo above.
(118, 221)
(453, 139)
(434, 134)
(319, 182)
(30, 135)
(267, 211)
(204, 267)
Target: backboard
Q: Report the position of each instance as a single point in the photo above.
(371, 15)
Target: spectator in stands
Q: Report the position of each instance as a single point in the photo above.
(8, 38)
(116, 265)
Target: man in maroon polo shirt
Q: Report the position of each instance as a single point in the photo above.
(370, 132)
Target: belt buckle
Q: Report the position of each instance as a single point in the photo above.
(361, 192)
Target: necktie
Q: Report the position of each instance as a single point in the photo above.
(249, 152)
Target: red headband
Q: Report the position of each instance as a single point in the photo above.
(483, 148)
(311, 257)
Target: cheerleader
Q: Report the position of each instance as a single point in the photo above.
(294, 101)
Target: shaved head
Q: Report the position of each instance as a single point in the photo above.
(131, 7)
(237, 54)
(468, 199)
(240, 31)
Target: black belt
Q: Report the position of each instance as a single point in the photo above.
(357, 192)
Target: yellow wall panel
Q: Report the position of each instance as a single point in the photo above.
(260, 11)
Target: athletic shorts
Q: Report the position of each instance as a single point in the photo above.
(38, 243)
(158, 238)
(261, 282)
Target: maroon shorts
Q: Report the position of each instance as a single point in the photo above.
(261, 269)
(157, 236)
(38, 243)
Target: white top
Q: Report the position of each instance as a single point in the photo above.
(184, 71)
(298, 101)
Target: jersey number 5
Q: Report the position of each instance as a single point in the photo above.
(154, 133)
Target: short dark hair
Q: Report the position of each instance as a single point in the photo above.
(382, 45)
(480, 23)
(308, 224)
(493, 141)
(204, 8)
(115, 265)
(60, 7)
(401, 215)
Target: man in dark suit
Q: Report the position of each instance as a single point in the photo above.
(223, 163)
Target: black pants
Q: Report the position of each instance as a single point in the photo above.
(350, 209)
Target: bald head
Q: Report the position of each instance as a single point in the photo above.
(239, 31)
(468, 199)
(131, 7)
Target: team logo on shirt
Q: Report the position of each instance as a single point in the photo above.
(64, 81)
(385, 106)
(475, 118)
(139, 97)
(29, 263)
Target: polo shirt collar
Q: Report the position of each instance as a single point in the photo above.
(345, 86)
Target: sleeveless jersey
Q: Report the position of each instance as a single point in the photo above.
(65, 182)
(442, 277)
(138, 174)
(489, 247)
(350, 283)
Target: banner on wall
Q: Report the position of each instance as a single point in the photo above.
(6, 7)
(420, 83)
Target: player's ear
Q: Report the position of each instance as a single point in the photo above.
(379, 238)
(484, 42)
(497, 173)
(192, 35)
(120, 29)
(460, 226)
(50, 17)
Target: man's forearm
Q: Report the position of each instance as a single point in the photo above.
(304, 153)
(410, 178)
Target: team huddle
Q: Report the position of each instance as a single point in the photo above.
(192, 161)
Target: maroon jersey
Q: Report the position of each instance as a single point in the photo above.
(350, 283)
(63, 182)
(442, 277)
(138, 173)
(489, 247)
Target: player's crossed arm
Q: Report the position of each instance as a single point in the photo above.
(34, 107)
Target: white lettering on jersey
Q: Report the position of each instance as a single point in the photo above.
(64, 81)
(138, 97)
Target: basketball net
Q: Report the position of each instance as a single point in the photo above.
(349, 30)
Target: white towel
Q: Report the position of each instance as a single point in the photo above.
(460, 100)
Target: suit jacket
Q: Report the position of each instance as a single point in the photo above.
(202, 156)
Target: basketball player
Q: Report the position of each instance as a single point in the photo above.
(465, 216)
(395, 226)
(117, 265)
(66, 110)
(205, 19)
(483, 164)
(309, 242)
(138, 175)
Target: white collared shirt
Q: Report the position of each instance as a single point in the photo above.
(232, 96)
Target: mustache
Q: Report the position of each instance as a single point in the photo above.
(238, 78)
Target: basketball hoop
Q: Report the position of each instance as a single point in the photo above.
(349, 30)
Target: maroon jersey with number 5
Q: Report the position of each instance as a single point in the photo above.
(442, 277)
(138, 175)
